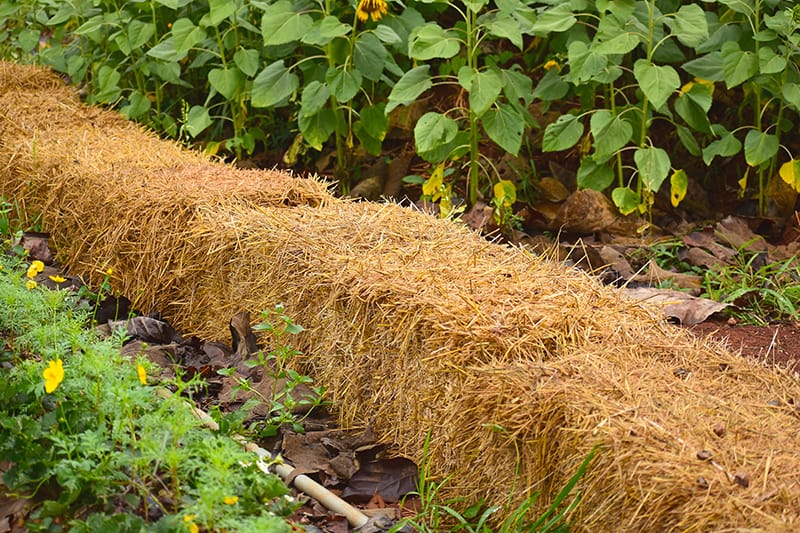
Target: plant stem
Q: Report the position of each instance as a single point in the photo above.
(473, 174)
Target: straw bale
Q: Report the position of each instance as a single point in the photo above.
(516, 366)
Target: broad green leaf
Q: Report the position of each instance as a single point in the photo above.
(247, 61)
(626, 200)
(408, 88)
(374, 120)
(227, 82)
(484, 88)
(431, 41)
(343, 84)
(726, 146)
(325, 30)
(138, 105)
(174, 4)
(707, 67)
(611, 133)
(369, 56)
(584, 63)
(551, 87)
(273, 85)
(106, 85)
(317, 129)
(690, 111)
(562, 134)
(689, 25)
(506, 26)
(434, 130)
(687, 140)
(791, 93)
(280, 24)
(219, 10)
(594, 175)
(678, 185)
(166, 51)
(371, 144)
(759, 147)
(186, 35)
(314, 97)
(790, 173)
(556, 19)
(386, 34)
(505, 126)
(197, 119)
(620, 44)
(135, 36)
(769, 62)
(653, 166)
(657, 82)
(737, 66)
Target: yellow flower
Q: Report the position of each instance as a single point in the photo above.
(110, 271)
(38, 265)
(31, 273)
(552, 64)
(230, 500)
(30, 284)
(53, 375)
(189, 519)
(371, 8)
(57, 279)
(142, 374)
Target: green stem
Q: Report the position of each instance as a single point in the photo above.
(473, 174)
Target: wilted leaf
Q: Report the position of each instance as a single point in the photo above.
(679, 183)
(679, 305)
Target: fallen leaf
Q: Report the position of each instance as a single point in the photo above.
(684, 307)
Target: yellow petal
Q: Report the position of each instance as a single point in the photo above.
(142, 374)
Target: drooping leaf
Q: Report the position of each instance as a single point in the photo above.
(434, 130)
(432, 41)
(197, 119)
(738, 66)
(484, 88)
(317, 128)
(273, 85)
(688, 109)
(707, 66)
(619, 44)
(505, 26)
(369, 56)
(678, 185)
(653, 165)
(626, 200)
(657, 82)
(219, 10)
(790, 173)
(555, 19)
(551, 87)
(505, 126)
(791, 94)
(562, 134)
(687, 140)
(408, 88)
(726, 146)
(759, 147)
(610, 132)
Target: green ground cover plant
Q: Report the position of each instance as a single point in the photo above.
(86, 436)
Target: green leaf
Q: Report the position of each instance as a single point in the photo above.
(728, 145)
(273, 85)
(759, 147)
(653, 165)
(689, 25)
(562, 134)
(374, 120)
(138, 105)
(343, 84)
(707, 67)
(687, 140)
(690, 111)
(484, 88)
(314, 97)
(551, 87)
(106, 85)
(505, 127)
(219, 10)
(737, 66)
(247, 60)
(678, 185)
(369, 56)
(657, 82)
(186, 35)
(584, 63)
(505, 26)
(556, 19)
(135, 36)
(434, 130)
(228, 82)
(626, 200)
(371, 144)
(517, 86)
(769, 62)
(431, 41)
(611, 133)
(408, 88)
(594, 175)
(280, 24)
(197, 120)
(619, 44)
(317, 129)
(791, 94)
(325, 30)
(386, 34)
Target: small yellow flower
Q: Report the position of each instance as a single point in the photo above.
(231, 500)
(371, 8)
(30, 284)
(31, 273)
(110, 271)
(142, 374)
(57, 279)
(552, 64)
(189, 519)
(38, 265)
(53, 375)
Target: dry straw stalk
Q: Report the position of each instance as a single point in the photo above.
(515, 365)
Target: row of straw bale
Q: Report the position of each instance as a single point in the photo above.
(516, 366)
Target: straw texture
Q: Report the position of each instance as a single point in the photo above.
(516, 366)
